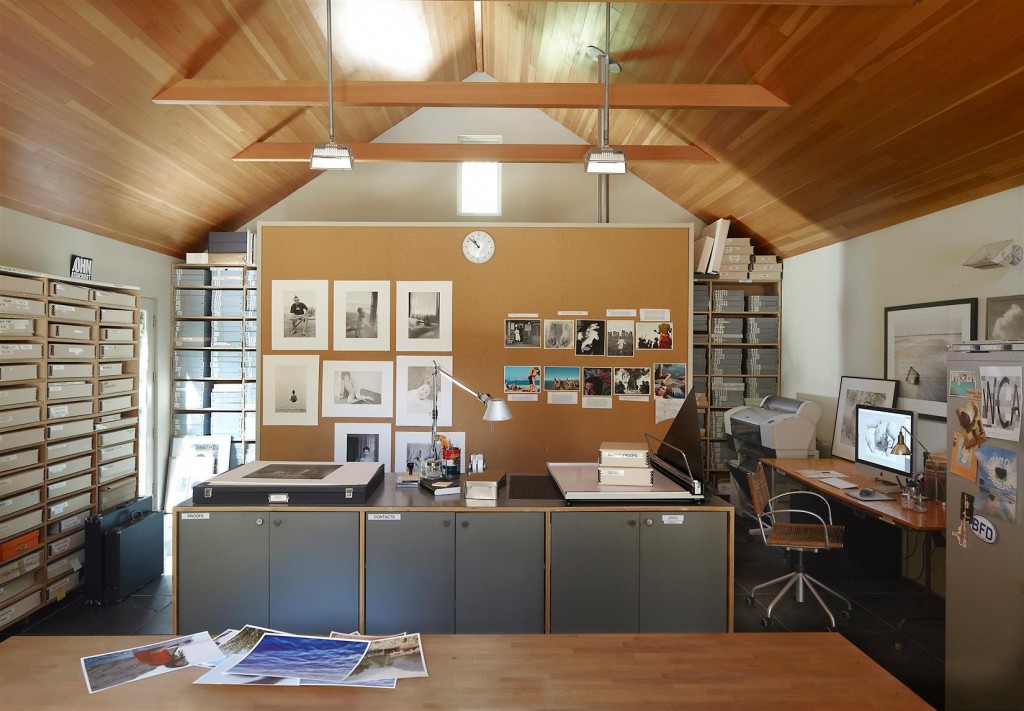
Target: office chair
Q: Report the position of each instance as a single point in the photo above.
(798, 537)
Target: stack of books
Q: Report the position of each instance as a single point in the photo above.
(624, 464)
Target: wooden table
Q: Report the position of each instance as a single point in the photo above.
(713, 671)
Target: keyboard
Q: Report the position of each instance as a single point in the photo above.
(839, 483)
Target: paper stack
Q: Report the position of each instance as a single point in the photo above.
(624, 464)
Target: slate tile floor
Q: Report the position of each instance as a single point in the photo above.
(877, 609)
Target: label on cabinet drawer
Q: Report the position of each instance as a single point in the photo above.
(195, 516)
(672, 519)
(384, 517)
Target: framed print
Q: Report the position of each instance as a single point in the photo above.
(621, 335)
(522, 333)
(358, 388)
(411, 448)
(1004, 318)
(916, 338)
(290, 390)
(654, 335)
(362, 315)
(590, 337)
(299, 315)
(363, 442)
(852, 392)
(414, 393)
(558, 333)
(423, 313)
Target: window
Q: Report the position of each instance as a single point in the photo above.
(479, 183)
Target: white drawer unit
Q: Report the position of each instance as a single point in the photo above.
(70, 409)
(21, 438)
(21, 307)
(69, 429)
(19, 502)
(65, 330)
(19, 460)
(21, 416)
(110, 369)
(57, 590)
(68, 391)
(118, 385)
(67, 312)
(109, 404)
(14, 373)
(71, 485)
(109, 454)
(117, 334)
(66, 506)
(112, 298)
(20, 480)
(117, 350)
(69, 370)
(72, 562)
(10, 571)
(18, 395)
(117, 492)
(114, 470)
(107, 439)
(20, 351)
(66, 448)
(68, 351)
(116, 316)
(68, 467)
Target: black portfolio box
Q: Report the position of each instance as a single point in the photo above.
(96, 546)
(133, 556)
(262, 483)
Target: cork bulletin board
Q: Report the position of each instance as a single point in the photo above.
(535, 270)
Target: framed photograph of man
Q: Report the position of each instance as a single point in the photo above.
(414, 393)
(299, 315)
(522, 333)
(423, 311)
(362, 315)
(290, 394)
(590, 336)
(358, 388)
(620, 338)
(363, 442)
(558, 333)
(412, 448)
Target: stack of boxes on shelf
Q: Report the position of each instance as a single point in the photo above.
(68, 427)
(624, 464)
(740, 263)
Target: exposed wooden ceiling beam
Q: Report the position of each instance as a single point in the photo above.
(824, 3)
(459, 152)
(454, 93)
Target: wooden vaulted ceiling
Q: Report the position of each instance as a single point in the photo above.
(895, 109)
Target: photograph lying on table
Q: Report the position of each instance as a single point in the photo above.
(414, 393)
(916, 339)
(299, 315)
(103, 671)
(558, 333)
(522, 333)
(654, 335)
(423, 311)
(290, 394)
(590, 337)
(561, 377)
(621, 335)
(633, 381)
(522, 379)
(413, 448)
(1004, 318)
(358, 388)
(362, 315)
(363, 442)
(852, 392)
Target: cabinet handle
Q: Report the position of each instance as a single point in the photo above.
(259, 522)
(632, 522)
(649, 522)
(465, 524)
(277, 522)
(446, 523)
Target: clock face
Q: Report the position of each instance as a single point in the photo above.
(478, 247)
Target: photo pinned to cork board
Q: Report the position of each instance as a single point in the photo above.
(855, 391)
(558, 333)
(363, 442)
(290, 390)
(621, 339)
(358, 388)
(362, 315)
(299, 314)
(590, 337)
(916, 339)
(654, 335)
(423, 313)
(522, 333)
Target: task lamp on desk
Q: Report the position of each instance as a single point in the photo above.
(495, 410)
(902, 449)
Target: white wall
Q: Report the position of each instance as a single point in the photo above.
(834, 298)
(43, 246)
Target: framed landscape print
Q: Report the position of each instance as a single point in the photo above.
(852, 392)
(916, 339)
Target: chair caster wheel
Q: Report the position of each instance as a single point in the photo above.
(751, 601)
(844, 614)
(766, 622)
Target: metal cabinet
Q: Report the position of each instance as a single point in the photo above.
(635, 571)
(448, 572)
(293, 571)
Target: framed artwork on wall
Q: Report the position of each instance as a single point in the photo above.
(852, 392)
(290, 392)
(1004, 318)
(916, 339)
(423, 315)
(358, 388)
(362, 315)
(414, 393)
(299, 315)
(363, 442)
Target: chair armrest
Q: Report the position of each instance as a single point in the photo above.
(824, 526)
(808, 493)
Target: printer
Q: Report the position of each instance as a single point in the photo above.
(780, 427)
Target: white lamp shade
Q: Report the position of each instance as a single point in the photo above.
(497, 411)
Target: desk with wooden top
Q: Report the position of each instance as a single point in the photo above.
(731, 671)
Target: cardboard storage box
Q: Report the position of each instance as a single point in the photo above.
(18, 396)
(69, 467)
(21, 307)
(20, 351)
(19, 460)
(20, 480)
(65, 330)
(69, 429)
(67, 351)
(69, 370)
(66, 448)
(21, 416)
(13, 373)
(17, 526)
(20, 608)
(9, 571)
(71, 409)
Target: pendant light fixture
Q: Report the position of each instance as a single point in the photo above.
(605, 159)
(329, 156)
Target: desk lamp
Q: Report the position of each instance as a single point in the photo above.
(495, 410)
(902, 449)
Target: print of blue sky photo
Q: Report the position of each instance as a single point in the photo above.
(302, 657)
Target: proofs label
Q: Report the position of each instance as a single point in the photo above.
(195, 516)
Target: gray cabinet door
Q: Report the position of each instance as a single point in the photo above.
(499, 573)
(594, 571)
(222, 569)
(314, 571)
(410, 572)
(684, 571)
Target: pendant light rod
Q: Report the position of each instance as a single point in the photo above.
(604, 68)
(330, 72)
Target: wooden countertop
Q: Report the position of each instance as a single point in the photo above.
(723, 671)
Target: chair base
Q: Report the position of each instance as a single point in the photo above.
(802, 581)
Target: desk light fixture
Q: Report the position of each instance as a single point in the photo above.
(495, 410)
(902, 449)
(328, 156)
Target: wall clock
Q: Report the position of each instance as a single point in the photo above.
(478, 246)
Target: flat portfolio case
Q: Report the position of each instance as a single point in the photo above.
(95, 527)
(299, 483)
(132, 556)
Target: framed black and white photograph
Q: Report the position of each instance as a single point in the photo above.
(363, 442)
(290, 390)
(590, 337)
(522, 333)
(558, 333)
(414, 447)
(621, 335)
(362, 315)
(299, 315)
(423, 312)
(1004, 318)
(358, 388)
(852, 392)
(916, 339)
(414, 393)
(654, 335)
(633, 381)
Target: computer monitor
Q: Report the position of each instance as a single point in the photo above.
(681, 447)
(878, 428)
